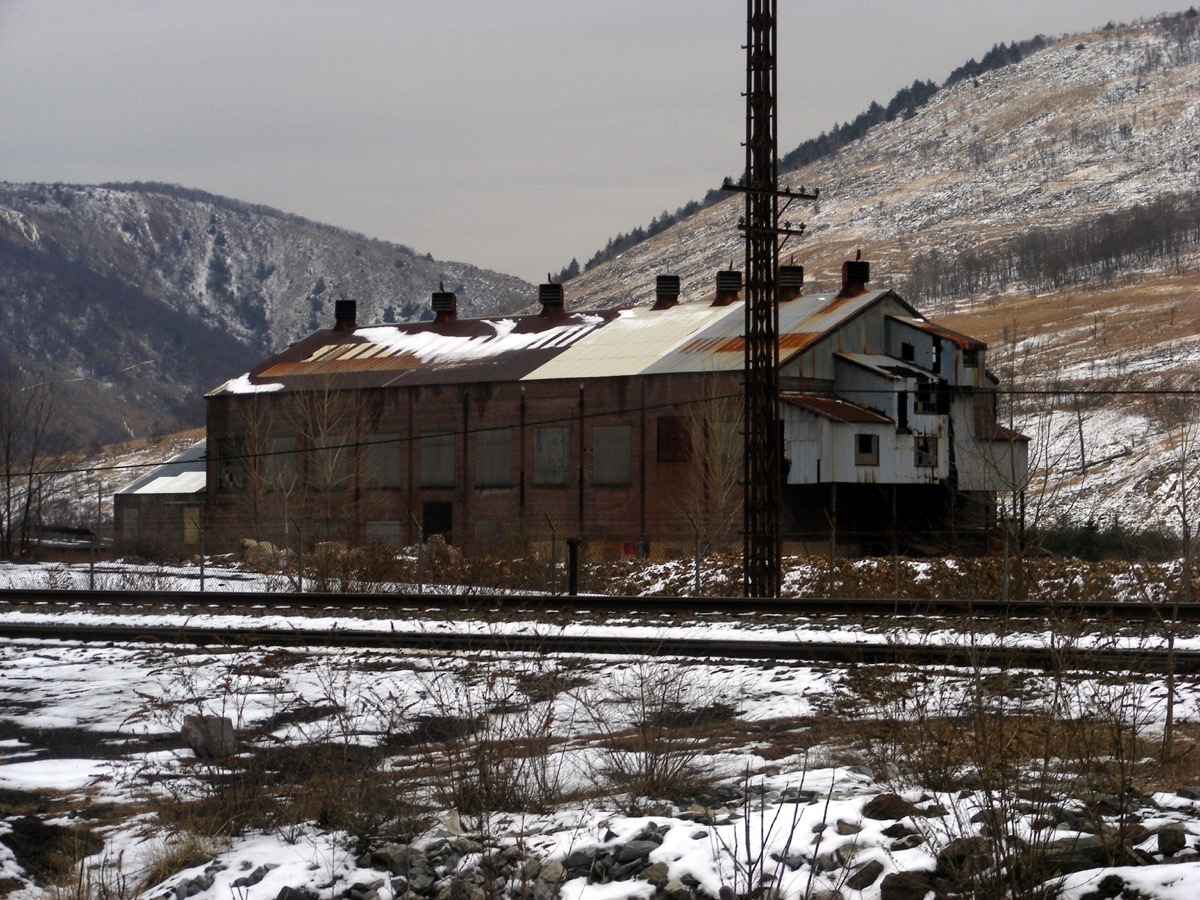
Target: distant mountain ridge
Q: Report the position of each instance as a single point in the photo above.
(137, 298)
(1088, 124)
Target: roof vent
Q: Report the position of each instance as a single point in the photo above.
(729, 285)
(345, 315)
(445, 306)
(855, 275)
(551, 298)
(791, 283)
(666, 291)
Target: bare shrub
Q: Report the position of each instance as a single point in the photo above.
(494, 725)
(1013, 755)
(657, 724)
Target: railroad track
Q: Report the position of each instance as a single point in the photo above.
(399, 602)
(779, 650)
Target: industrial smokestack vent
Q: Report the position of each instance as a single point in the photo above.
(856, 271)
(729, 280)
(551, 298)
(345, 314)
(791, 277)
(666, 291)
(790, 284)
(667, 285)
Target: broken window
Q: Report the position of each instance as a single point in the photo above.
(611, 450)
(437, 517)
(437, 461)
(970, 358)
(925, 450)
(866, 449)
(551, 456)
(926, 402)
(493, 458)
(231, 465)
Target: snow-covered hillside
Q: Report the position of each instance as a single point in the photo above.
(140, 298)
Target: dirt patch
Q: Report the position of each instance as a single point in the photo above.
(45, 851)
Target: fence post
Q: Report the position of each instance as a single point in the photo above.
(553, 556)
(696, 559)
(420, 556)
(573, 565)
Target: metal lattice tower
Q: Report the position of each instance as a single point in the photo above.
(763, 437)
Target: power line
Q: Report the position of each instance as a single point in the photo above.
(575, 416)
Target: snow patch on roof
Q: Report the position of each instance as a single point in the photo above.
(243, 385)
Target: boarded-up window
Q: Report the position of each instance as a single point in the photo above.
(129, 523)
(611, 454)
(389, 534)
(674, 439)
(331, 463)
(279, 463)
(493, 458)
(551, 456)
(925, 448)
(383, 461)
(866, 449)
(191, 525)
(437, 461)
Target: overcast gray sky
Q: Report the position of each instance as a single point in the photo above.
(511, 135)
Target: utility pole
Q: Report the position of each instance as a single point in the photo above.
(762, 431)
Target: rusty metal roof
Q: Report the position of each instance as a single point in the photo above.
(835, 410)
(962, 341)
(887, 366)
(688, 337)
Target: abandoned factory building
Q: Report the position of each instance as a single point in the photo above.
(619, 426)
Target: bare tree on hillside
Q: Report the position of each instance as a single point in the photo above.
(29, 444)
(1178, 416)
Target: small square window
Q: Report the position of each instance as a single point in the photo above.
(970, 359)
(907, 352)
(866, 449)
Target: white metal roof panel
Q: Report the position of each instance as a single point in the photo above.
(182, 474)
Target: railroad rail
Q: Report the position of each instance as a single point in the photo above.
(396, 602)
(782, 649)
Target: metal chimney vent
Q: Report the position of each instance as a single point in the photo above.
(666, 291)
(729, 280)
(345, 315)
(791, 276)
(551, 297)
